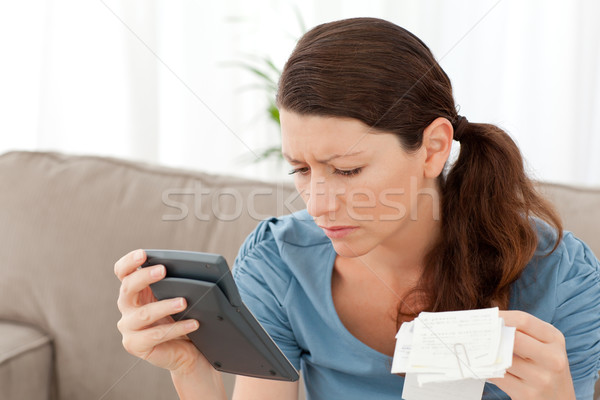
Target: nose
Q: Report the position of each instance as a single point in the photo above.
(322, 198)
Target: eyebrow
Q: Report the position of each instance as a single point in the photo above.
(325, 161)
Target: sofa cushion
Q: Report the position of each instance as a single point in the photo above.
(25, 362)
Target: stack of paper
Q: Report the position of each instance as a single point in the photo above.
(452, 351)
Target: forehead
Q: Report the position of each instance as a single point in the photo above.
(325, 135)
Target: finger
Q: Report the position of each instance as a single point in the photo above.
(134, 283)
(524, 380)
(510, 384)
(148, 314)
(530, 325)
(521, 368)
(529, 348)
(141, 343)
(129, 263)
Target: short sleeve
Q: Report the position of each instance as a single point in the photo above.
(263, 281)
(577, 313)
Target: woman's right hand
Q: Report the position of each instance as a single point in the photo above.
(149, 332)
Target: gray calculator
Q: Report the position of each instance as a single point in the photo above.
(229, 336)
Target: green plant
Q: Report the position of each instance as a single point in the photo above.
(267, 75)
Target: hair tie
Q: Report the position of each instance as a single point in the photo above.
(459, 127)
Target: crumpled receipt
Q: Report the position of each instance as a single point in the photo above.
(450, 354)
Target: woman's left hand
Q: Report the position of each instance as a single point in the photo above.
(540, 367)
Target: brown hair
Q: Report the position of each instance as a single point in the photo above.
(381, 74)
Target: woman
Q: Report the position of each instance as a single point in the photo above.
(389, 230)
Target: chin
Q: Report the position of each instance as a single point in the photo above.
(348, 249)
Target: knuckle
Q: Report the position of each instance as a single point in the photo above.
(158, 334)
(127, 344)
(560, 338)
(120, 304)
(126, 287)
(559, 363)
(143, 314)
(546, 380)
(120, 323)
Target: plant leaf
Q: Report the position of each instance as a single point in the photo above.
(274, 113)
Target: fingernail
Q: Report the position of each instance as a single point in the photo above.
(138, 255)
(191, 325)
(157, 271)
(178, 303)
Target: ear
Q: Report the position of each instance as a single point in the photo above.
(437, 142)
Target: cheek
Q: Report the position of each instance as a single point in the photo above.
(361, 203)
(302, 187)
(384, 199)
(362, 200)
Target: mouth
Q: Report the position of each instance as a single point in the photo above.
(337, 232)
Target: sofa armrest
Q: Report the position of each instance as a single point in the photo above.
(25, 362)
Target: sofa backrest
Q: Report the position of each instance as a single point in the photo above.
(579, 208)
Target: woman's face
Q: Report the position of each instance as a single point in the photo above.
(359, 185)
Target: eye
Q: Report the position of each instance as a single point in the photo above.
(341, 172)
(350, 172)
(301, 171)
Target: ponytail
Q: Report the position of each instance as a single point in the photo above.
(487, 234)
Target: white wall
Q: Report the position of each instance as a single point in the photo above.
(147, 79)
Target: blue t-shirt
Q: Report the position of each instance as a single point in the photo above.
(283, 271)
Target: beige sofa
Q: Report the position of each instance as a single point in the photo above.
(65, 221)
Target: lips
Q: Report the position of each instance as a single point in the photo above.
(337, 232)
